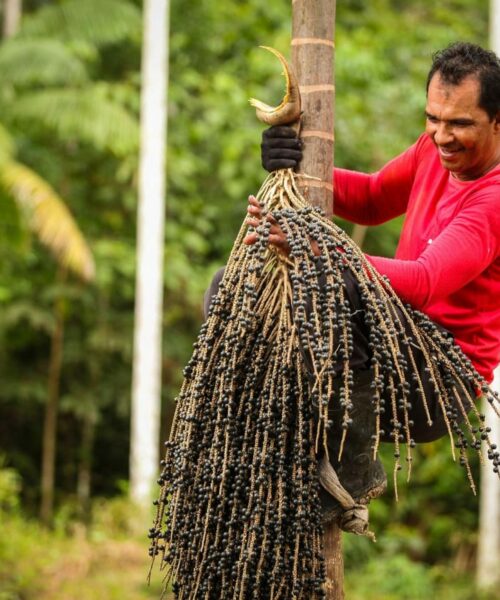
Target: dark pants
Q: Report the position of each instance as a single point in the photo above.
(421, 431)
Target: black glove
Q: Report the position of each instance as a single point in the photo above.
(280, 148)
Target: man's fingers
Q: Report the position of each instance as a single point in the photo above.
(281, 143)
(279, 241)
(254, 204)
(276, 235)
(255, 216)
(284, 153)
(250, 238)
(254, 209)
(280, 163)
(279, 131)
(253, 222)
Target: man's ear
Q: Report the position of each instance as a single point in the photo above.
(497, 122)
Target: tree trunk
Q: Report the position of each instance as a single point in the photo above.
(488, 553)
(49, 440)
(12, 10)
(146, 378)
(313, 34)
(313, 29)
(84, 483)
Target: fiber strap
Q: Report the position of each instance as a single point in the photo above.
(354, 516)
(306, 181)
(313, 89)
(324, 135)
(304, 41)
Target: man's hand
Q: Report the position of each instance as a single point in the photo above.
(277, 236)
(280, 148)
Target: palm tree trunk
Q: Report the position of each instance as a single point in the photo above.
(313, 31)
(146, 377)
(313, 34)
(49, 440)
(12, 10)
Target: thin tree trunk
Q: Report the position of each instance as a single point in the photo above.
(84, 483)
(313, 34)
(146, 380)
(12, 11)
(488, 552)
(49, 440)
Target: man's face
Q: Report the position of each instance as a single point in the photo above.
(467, 140)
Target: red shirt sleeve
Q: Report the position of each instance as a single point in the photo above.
(463, 250)
(374, 199)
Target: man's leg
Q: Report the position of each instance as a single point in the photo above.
(358, 471)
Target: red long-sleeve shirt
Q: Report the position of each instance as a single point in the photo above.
(447, 262)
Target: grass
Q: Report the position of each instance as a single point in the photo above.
(109, 561)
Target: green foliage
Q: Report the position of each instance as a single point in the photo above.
(395, 578)
(108, 560)
(86, 116)
(98, 22)
(25, 62)
(10, 487)
(6, 145)
(72, 562)
(381, 76)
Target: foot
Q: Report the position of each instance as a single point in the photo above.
(362, 475)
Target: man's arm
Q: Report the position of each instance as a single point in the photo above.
(463, 250)
(359, 197)
(371, 199)
(460, 253)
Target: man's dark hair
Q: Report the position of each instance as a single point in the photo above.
(462, 59)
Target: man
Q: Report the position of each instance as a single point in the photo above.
(447, 261)
(448, 185)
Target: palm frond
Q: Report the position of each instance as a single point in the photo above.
(96, 21)
(87, 115)
(39, 61)
(49, 218)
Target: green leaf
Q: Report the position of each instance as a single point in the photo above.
(97, 21)
(49, 218)
(86, 115)
(39, 318)
(43, 61)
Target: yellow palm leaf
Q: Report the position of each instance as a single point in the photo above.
(48, 217)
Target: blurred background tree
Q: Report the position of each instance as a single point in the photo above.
(69, 99)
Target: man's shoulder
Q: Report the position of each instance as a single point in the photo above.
(423, 152)
(424, 147)
(426, 159)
